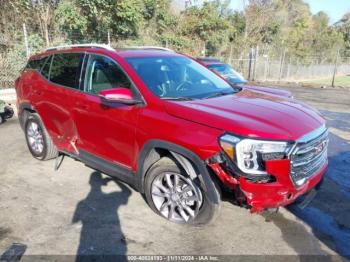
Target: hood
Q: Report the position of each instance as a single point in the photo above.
(273, 91)
(250, 114)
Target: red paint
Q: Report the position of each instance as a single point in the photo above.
(269, 90)
(279, 193)
(225, 178)
(118, 132)
(119, 93)
(251, 114)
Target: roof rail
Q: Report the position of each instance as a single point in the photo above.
(81, 45)
(150, 48)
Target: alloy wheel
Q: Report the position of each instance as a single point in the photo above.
(176, 197)
(35, 137)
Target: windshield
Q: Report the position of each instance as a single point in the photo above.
(228, 73)
(174, 77)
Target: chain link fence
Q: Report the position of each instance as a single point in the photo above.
(11, 63)
(262, 68)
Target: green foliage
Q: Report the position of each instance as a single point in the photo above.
(69, 20)
(127, 17)
(204, 22)
(98, 16)
(36, 43)
(149, 9)
(165, 20)
(17, 61)
(178, 43)
(123, 17)
(238, 21)
(275, 26)
(344, 28)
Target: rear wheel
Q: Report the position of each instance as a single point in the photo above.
(38, 140)
(171, 193)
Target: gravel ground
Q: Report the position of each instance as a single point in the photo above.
(76, 210)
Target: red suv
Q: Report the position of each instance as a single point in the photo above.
(171, 128)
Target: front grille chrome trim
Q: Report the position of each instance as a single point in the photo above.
(313, 134)
(308, 155)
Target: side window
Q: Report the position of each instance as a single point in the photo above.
(37, 63)
(103, 73)
(65, 69)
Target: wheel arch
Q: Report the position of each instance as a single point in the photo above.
(25, 109)
(153, 150)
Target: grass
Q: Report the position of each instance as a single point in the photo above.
(343, 81)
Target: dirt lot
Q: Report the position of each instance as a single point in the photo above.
(76, 210)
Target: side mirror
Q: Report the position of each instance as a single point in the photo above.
(119, 95)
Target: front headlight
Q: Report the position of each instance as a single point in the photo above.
(250, 154)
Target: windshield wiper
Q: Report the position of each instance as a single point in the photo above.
(177, 98)
(217, 94)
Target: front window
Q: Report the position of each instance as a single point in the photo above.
(176, 77)
(228, 73)
(103, 73)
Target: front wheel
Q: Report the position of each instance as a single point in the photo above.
(38, 140)
(171, 193)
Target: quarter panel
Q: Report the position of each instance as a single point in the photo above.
(53, 104)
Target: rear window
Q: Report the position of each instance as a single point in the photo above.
(65, 69)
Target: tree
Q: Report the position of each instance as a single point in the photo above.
(127, 17)
(343, 27)
(325, 38)
(206, 24)
(68, 19)
(44, 12)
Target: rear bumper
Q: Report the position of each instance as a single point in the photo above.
(279, 193)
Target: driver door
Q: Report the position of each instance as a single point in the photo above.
(105, 130)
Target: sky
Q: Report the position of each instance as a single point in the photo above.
(334, 8)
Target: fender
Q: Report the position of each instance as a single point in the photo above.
(199, 164)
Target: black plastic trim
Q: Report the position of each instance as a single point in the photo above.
(24, 106)
(199, 165)
(112, 169)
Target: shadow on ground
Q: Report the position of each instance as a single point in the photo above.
(295, 235)
(329, 213)
(101, 234)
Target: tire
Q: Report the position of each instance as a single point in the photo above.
(44, 149)
(2, 119)
(204, 210)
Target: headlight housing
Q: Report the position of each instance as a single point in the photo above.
(250, 154)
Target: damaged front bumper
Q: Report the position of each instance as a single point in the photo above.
(261, 195)
(279, 193)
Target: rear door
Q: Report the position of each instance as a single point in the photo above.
(60, 79)
(106, 130)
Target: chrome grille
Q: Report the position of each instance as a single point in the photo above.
(309, 155)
